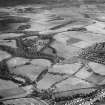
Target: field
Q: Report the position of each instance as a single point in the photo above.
(72, 28)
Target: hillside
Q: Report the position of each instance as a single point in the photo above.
(18, 2)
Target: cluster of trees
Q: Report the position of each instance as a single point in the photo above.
(18, 2)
